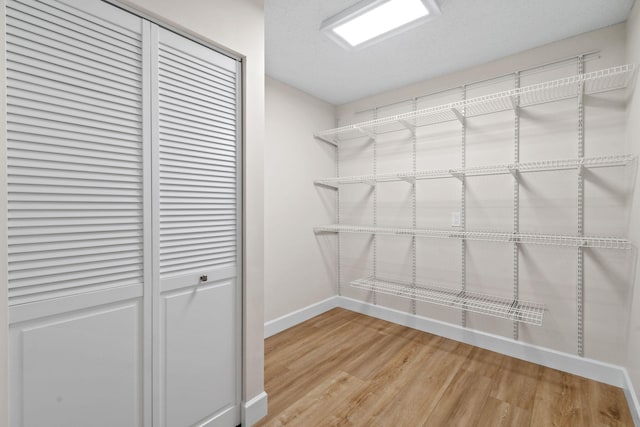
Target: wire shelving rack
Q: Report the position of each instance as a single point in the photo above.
(486, 236)
(555, 90)
(515, 100)
(505, 308)
(501, 169)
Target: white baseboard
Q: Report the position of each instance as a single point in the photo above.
(632, 398)
(275, 326)
(584, 367)
(589, 368)
(254, 410)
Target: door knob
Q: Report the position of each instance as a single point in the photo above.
(204, 278)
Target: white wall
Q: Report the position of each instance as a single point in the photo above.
(633, 139)
(296, 273)
(547, 200)
(237, 26)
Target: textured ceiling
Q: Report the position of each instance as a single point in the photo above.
(469, 32)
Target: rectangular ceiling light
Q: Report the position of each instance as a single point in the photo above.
(370, 21)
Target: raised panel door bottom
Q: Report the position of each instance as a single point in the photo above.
(81, 368)
(198, 356)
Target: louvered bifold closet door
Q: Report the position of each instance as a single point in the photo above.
(197, 183)
(76, 214)
(74, 151)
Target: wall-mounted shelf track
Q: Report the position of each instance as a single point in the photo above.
(517, 310)
(487, 236)
(569, 87)
(539, 166)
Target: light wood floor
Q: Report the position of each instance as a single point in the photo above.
(346, 369)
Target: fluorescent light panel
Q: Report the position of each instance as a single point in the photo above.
(383, 18)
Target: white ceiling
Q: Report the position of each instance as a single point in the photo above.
(469, 32)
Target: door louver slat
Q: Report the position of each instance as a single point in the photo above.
(74, 152)
(197, 163)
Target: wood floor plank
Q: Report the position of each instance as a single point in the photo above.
(483, 362)
(273, 372)
(516, 383)
(604, 404)
(330, 346)
(301, 330)
(368, 363)
(308, 331)
(557, 400)
(333, 317)
(277, 345)
(420, 390)
(498, 413)
(317, 342)
(374, 323)
(315, 407)
(379, 357)
(383, 387)
(462, 402)
(349, 370)
(315, 366)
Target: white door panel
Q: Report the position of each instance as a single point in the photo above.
(77, 265)
(79, 369)
(198, 330)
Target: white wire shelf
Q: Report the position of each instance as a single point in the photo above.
(554, 90)
(511, 168)
(487, 236)
(505, 308)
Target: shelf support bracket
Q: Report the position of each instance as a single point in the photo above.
(323, 231)
(459, 115)
(325, 139)
(513, 170)
(457, 174)
(327, 185)
(410, 179)
(411, 128)
(366, 132)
